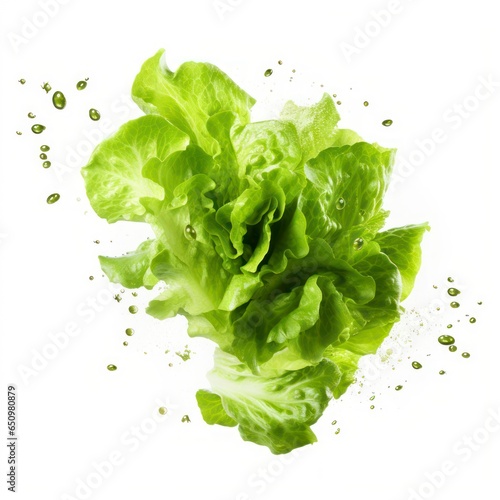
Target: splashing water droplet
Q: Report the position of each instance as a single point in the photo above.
(472, 320)
(358, 243)
(58, 100)
(46, 164)
(268, 72)
(465, 355)
(450, 280)
(416, 365)
(446, 340)
(387, 123)
(44, 148)
(81, 85)
(130, 332)
(452, 348)
(94, 114)
(133, 309)
(162, 410)
(111, 368)
(453, 292)
(190, 232)
(22, 81)
(441, 372)
(398, 387)
(31, 115)
(454, 305)
(366, 103)
(37, 129)
(53, 198)
(43, 156)
(46, 86)
(340, 205)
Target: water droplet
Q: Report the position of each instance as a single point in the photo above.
(134, 294)
(441, 372)
(366, 103)
(185, 419)
(372, 407)
(334, 422)
(94, 114)
(91, 278)
(18, 132)
(97, 242)
(31, 115)
(465, 355)
(452, 348)
(337, 431)
(334, 95)
(398, 387)
(453, 292)
(43, 156)
(449, 326)
(53, 198)
(58, 100)
(130, 332)
(450, 280)
(280, 62)
(416, 365)
(81, 85)
(340, 204)
(446, 340)
(472, 320)
(22, 81)
(372, 398)
(133, 309)
(434, 286)
(125, 343)
(454, 305)
(387, 123)
(479, 303)
(339, 102)
(190, 232)
(268, 72)
(162, 410)
(37, 129)
(45, 148)
(46, 86)
(358, 243)
(111, 368)
(46, 164)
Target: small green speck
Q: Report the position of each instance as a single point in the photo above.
(44, 148)
(450, 280)
(268, 72)
(337, 431)
(366, 103)
(372, 407)
(31, 115)
(133, 309)
(111, 368)
(130, 332)
(18, 132)
(43, 156)
(387, 123)
(162, 410)
(449, 326)
(185, 419)
(453, 292)
(472, 320)
(452, 348)
(46, 86)
(22, 81)
(125, 343)
(91, 278)
(454, 305)
(465, 355)
(46, 164)
(441, 372)
(416, 365)
(53, 198)
(372, 398)
(398, 387)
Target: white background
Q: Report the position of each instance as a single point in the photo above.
(419, 65)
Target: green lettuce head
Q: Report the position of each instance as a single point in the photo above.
(268, 238)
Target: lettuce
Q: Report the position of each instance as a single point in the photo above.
(268, 238)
